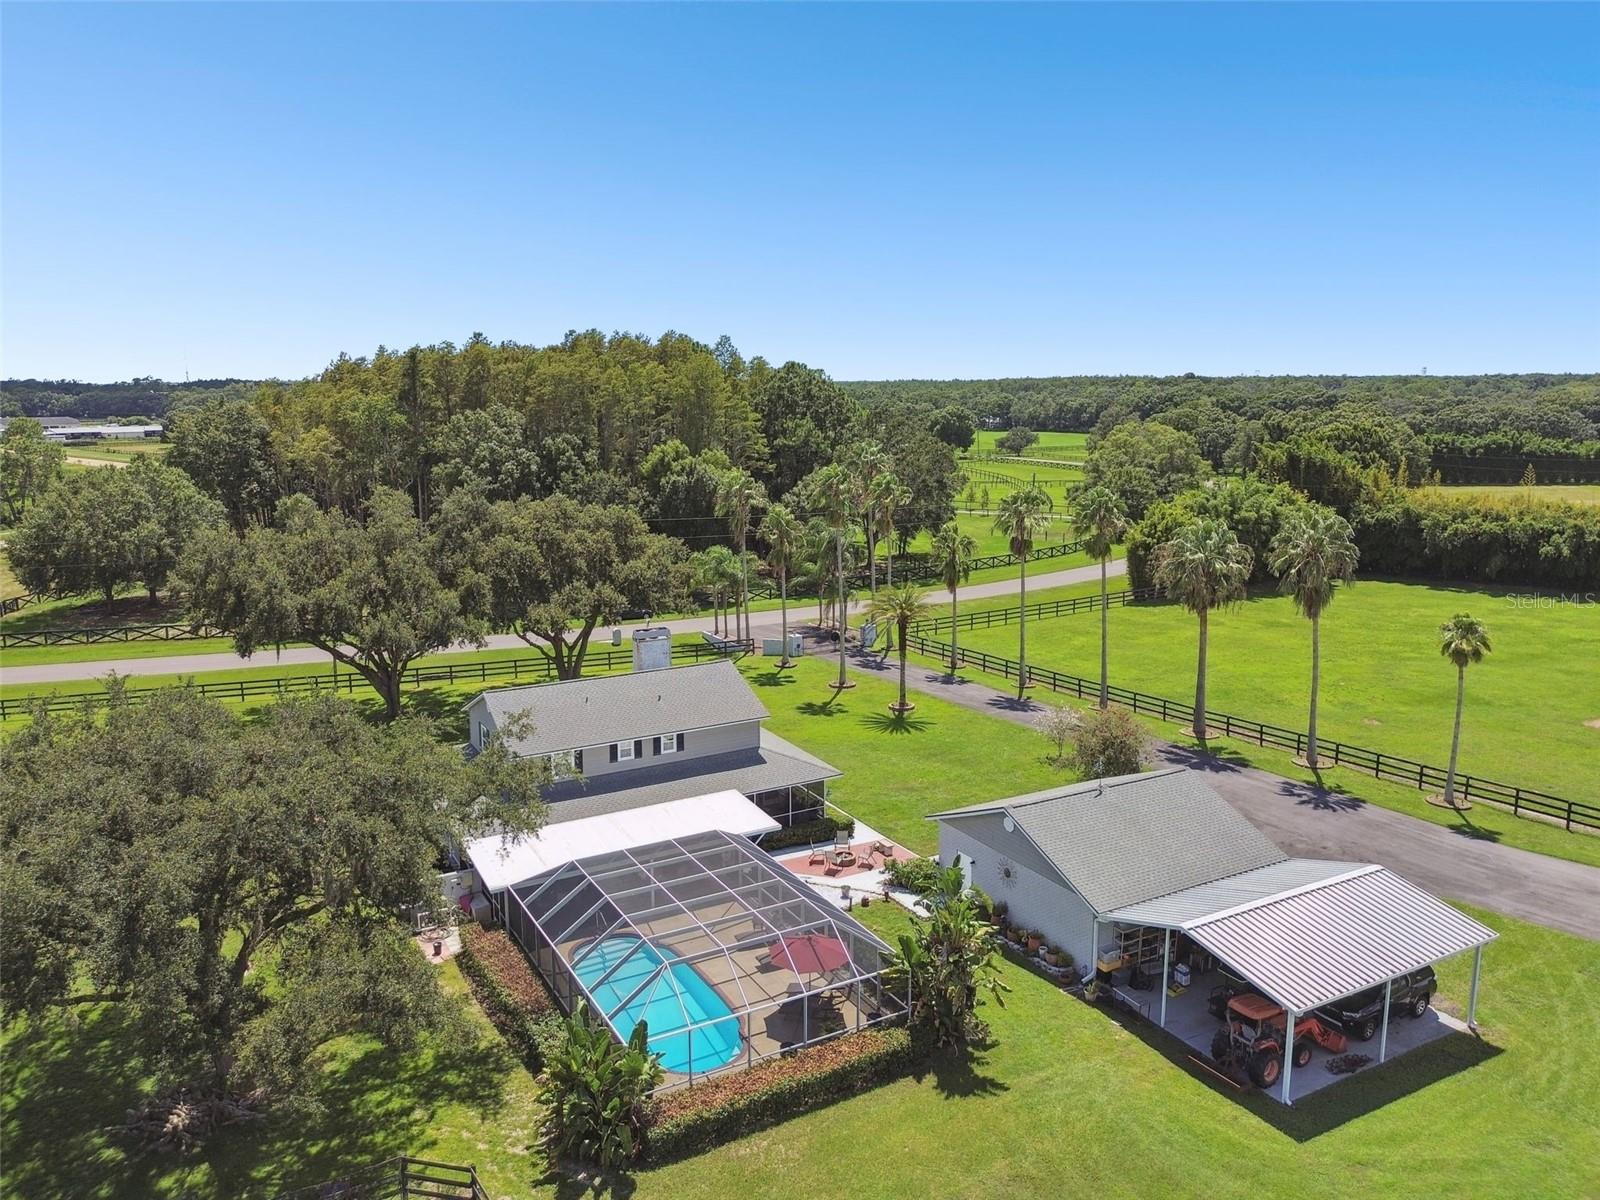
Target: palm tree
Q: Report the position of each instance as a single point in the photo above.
(1023, 516)
(1464, 640)
(717, 571)
(898, 608)
(1203, 567)
(1098, 521)
(738, 496)
(1313, 553)
(953, 552)
(868, 461)
(833, 494)
(783, 533)
(888, 494)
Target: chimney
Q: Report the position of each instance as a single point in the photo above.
(652, 648)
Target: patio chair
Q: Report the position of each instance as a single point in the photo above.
(841, 840)
(819, 857)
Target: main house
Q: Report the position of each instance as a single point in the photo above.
(626, 742)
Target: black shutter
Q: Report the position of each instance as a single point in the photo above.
(638, 748)
(577, 761)
(657, 747)
(613, 752)
(682, 738)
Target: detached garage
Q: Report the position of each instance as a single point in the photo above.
(1157, 886)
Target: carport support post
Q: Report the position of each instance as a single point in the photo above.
(1472, 1000)
(1288, 1050)
(1166, 967)
(1383, 1042)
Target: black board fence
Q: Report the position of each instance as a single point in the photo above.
(532, 668)
(397, 1179)
(95, 635)
(1571, 813)
(987, 618)
(13, 604)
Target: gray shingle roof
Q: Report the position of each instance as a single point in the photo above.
(776, 764)
(572, 713)
(1136, 837)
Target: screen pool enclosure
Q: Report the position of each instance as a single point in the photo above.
(726, 956)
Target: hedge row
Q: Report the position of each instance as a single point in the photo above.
(820, 830)
(508, 990)
(694, 1119)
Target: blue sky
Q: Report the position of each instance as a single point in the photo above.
(881, 191)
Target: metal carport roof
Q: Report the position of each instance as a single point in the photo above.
(1312, 945)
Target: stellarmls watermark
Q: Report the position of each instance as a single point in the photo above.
(1550, 599)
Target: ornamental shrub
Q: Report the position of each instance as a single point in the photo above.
(694, 1119)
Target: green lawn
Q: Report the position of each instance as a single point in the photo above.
(1384, 684)
(1064, 1092)
(898, 771)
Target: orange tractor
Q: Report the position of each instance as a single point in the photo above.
(1252, 1038)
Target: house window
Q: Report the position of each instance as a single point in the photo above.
(670, 743)
(624, 751)
(483, 735)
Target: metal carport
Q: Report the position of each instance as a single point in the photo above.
(1342, 929)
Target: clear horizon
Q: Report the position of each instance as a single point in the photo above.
(883, 192)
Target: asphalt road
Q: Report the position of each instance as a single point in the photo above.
(1311, 823)
(173, 664)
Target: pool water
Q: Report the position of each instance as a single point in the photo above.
(679, 998)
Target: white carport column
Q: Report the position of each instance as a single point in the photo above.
(1472, 1000)
(1383, 1042)
(1166, 969)
(1288, 1050)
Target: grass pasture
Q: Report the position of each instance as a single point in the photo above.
(1532, 714)
(115, 450)
(1064, 1090)
(1567, 493)
(1067, 447)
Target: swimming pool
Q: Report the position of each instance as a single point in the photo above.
(679, 998)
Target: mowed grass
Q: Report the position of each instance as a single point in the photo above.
(897, 771)
(1063, 1091)
(1384, 684)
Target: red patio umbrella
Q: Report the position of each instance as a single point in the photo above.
(809, 953)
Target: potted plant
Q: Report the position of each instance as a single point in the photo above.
(1052, 955)
(1035, 940)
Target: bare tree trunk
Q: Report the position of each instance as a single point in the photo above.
(783, 615)
(954, 656)
(904, 707)
(1200, 682)
(1455, 738)
(1022, 629)
(843, 623)
(1105, 692)
(872, 559)
(1316, 679)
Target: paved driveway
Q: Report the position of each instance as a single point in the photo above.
(1312, 823)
